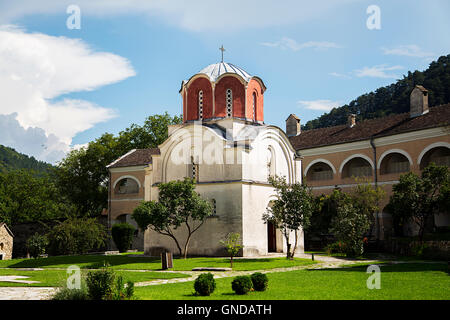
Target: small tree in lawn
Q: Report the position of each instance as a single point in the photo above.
(232, 244)
(419, 198)
(355, 216)
(349, 226)
(178, 205)
(291, 210)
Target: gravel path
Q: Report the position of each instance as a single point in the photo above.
(43, 293)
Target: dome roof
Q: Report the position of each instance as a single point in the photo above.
(214, 71)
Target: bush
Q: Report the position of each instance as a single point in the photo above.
(36, 245)
(205, 284)
(71, 294)
(122, 234)
(242, 284)
(76, 236)
(121, 292)
(259, 281)
(100, 284)
(335, 247)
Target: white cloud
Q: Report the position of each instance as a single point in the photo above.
(291, 44)
(379, 71)
(323, 105)
(36, 69)
(339, 75)
(408, 51)
(200, 15)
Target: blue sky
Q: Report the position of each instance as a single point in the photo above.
(133, 57)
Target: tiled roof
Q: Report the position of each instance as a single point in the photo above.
(363, 130)
(135, 157)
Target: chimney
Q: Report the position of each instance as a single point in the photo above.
(418, 101)
(293, 125)
(351, 120)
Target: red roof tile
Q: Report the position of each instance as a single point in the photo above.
(135, 157)
(363, 130)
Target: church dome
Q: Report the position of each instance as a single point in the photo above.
(214, 71)
(223, 90)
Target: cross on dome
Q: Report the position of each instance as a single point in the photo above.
(222, 49)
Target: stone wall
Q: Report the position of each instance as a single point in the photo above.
(6, 243)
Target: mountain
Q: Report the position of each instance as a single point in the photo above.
(392, 99)
(10, 160)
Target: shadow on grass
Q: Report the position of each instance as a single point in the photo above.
(392, 267)
(94, 261)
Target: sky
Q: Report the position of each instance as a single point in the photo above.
(73, 70)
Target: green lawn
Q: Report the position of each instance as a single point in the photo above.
(398, 281)
(128, 262)
(57, 278)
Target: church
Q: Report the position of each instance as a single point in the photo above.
(226, 146)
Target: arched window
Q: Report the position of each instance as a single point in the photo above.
(439, 156)
(357, 167)
(229, 103)
(200, 105)
(394, 163)
(126, 186)
(254, 106)
(319, 171)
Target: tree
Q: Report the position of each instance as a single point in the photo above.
(394, 98)
(178, 205)
(419, 198)
(76, 236)
(290, 211)
(354, 215)
(82, 175)
(349, 226)
(232, 244)
(28, 197)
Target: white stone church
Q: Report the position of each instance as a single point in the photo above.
(225, 145)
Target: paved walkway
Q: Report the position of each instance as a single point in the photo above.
(26, 293)
(42, 293)
(324, 262)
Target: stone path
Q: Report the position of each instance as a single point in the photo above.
(42, 293)
(17, 279)
(324, 263)
(24, 293)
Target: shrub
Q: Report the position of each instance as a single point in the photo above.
(259, 281)
(335, 247)
(232, 244)
(71, 294)
(205, 284)
(100, 284)
(121, 292)
(36, 245)
(122, 234)
(242, 284)
(76, 236)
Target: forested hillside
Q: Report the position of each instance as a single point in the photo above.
(392, 99)
(10, 160)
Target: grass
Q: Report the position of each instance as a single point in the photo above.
(398, 281)
(129, 262)
(57, 278)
